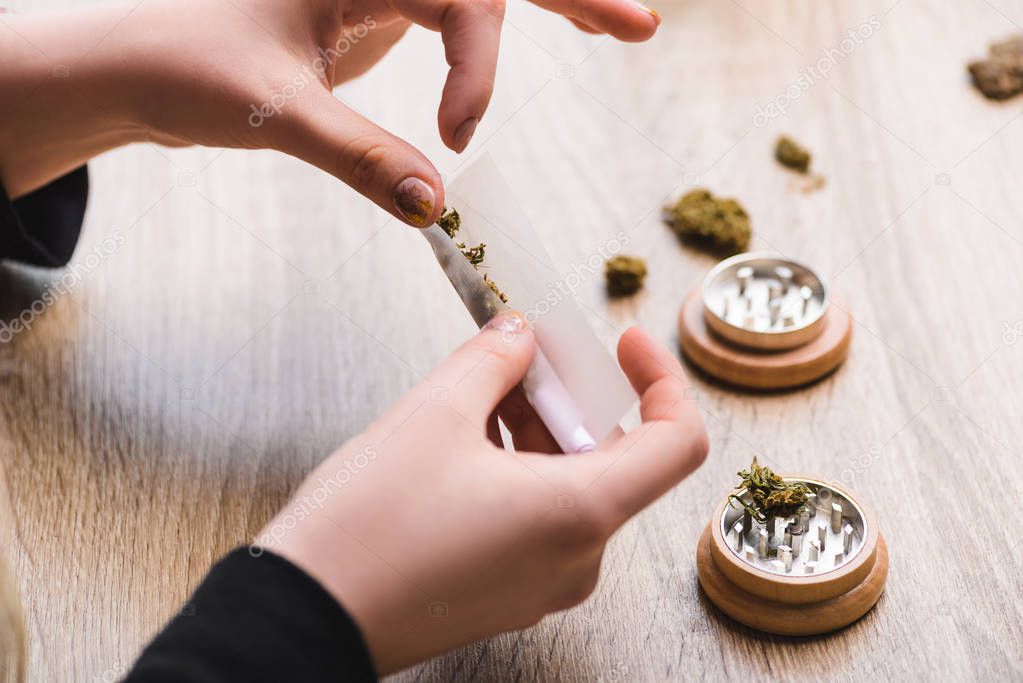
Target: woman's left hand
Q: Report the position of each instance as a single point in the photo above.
(432, 535)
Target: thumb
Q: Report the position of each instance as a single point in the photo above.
(386, 169)
(479, 374)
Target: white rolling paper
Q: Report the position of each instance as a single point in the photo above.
(518, 263)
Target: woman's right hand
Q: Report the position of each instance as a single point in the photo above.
(432, 536)
(253, 74)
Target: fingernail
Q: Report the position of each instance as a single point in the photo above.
(651, 12)
(464, 134)
(510, 322)
(415, 200)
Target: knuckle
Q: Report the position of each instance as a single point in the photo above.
(527, 620)
(486, 86)
(605, 520)
(578, 589)
(494, 353)
(493, 7)
(579, 10)
(588, 534)
(481, 344)
(362, 161)
(578, 531)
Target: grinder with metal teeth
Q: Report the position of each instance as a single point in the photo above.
(764, 322)
(792, 555)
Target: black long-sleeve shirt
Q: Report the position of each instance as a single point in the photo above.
(42, 227)
(256, 619)
(256, 616)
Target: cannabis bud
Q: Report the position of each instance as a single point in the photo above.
(1000, 76)
(450, 222)
(699, 218)
(474, 254)
(494, 288)
(624, 275)
(771, 495)
(791, 154)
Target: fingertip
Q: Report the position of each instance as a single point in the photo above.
(463, 105)
(463, 136)
(510, 324)
(637, 35)
(646, 361)
(652, 13)
(700, 449)
(640, 26)
(437, 183)
(633, 340)
(634, 334)
(516, 335)
(418, 201)
(472, 35)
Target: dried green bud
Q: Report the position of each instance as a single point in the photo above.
(772, 496)
(791, 154)
(699, 218)
(475, 255)
(1001, 75)
(998, 78)
(624, 275)
(490, 283)
(450, 221)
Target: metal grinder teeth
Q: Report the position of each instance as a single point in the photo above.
(805, 544)
(765, 300)
(836, 517)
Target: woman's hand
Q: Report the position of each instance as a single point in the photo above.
(252, 74)
(432, 536)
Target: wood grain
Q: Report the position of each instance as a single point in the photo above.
(785, 617)
(257, 317)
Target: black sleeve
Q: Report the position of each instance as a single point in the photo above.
(42, 227)
(257, 618)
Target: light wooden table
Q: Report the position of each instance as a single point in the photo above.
(258, 314)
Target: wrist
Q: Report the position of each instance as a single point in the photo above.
(306, 547)
(63, 104)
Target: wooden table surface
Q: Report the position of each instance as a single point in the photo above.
(255, 313)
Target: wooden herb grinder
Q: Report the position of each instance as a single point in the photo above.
(763, 322)
(812, 572)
